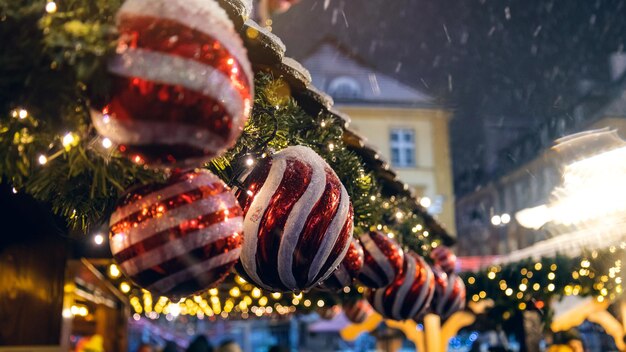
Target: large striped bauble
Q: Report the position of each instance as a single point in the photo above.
(357, 311)
(298, 221)
(180, 237)
(444, 258)
(181, 83)
(449, 294)
(409, 296)
(383, 260)
(347, 270)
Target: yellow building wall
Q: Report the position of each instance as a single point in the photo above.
(432, 174)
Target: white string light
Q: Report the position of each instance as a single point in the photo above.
(98, 239)
(68, 139)
(42, 159)
(51, 7)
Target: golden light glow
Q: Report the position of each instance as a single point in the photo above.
(114, 271)
(124, 287)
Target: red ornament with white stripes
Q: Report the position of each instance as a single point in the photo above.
(357, 311)
(180, 237)
(298, 221)
(181, 83)
(409, 296)
(449, 294)
(444, 258)
(383, 260)
(347, 270)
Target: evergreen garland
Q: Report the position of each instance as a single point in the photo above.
(55, 69)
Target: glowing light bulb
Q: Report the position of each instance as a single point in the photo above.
(22, 113)
(106, 143)
(114, 271)
(425, 202)
(51, 7)
(42, 159)
(496, 220)
(125, 287)
(68, 139)
(249, 161)
(98, 239)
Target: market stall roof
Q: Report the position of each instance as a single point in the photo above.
(267, 51)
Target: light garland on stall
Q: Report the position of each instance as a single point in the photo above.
(531, 284)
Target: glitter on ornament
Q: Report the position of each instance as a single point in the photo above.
(180, 237)
(298, 221)
(181, 89)
(409, 296)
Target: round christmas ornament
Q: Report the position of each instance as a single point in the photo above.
(409, 296)
(298, 221)
(383, 260)
(181, 83)
(328, 312)
(357, 311)
(177, 238)
(347, 270)
(444, 258)
(449, 294)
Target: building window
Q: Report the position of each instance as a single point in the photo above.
(344, 88)
(402, 147)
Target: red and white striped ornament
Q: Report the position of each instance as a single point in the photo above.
(449, 294)
(357, 311)
(181, 83)
(383, 260)
(444, 258)
(347, 270)
(409, 296)
(328, 312)
(298, 221)
(177, 238)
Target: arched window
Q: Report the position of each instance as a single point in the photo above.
(344, 88)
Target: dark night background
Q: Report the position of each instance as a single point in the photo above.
(503, 66)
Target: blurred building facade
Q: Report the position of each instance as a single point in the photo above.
(407, 127)
(527, 171)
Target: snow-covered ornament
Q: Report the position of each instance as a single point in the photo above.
(181, 83)
(177, 238)
(298, 221)
(409, 296)
(347, 270)
(383, 260)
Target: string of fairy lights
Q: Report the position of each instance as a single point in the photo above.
(532, 284)
(237, 299)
